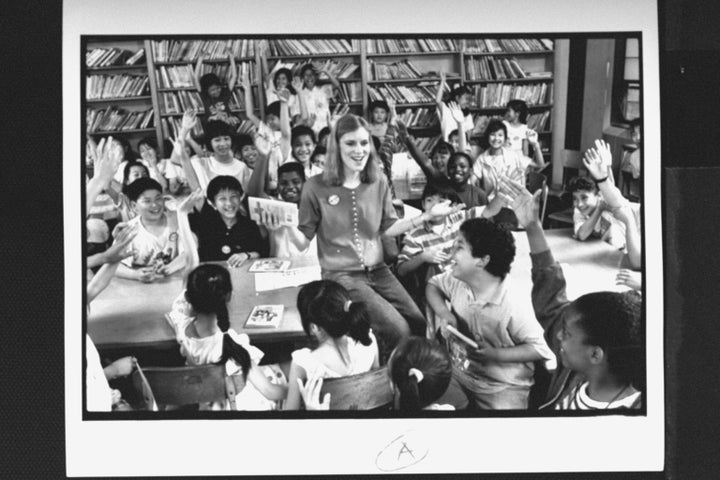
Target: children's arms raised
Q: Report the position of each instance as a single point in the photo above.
(249, 111)
(233, 71)
(422, 160)
(186, 235)
(198, 70)
(110, 259)
(107, 160)
(439, 94)
(285, 132)
(595, 160)
(459, 118)
(538, 162)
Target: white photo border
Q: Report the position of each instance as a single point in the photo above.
(284, 447)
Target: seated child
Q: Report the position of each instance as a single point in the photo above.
(323, 136)
(302, 144)
(341, 330)
(379, 111)
(214, 95)
(218, 139)
(459, 168)
(169, 175)
(127, 156)
(435, 167)
(248, 151)
(420, 370)
(316, 97)
(156, 250)
(222, 226)
(599, 337)
(318, 157)
(132, 171)
(498, 374)
(200, 319)
(629, 182)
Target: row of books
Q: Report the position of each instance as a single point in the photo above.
(491, 68)
(191, 50)
(107, 57)
(115, 86)
(494, 45)
(403, 93)
(171, 126)
(350, 92)
(337, 69)
(411, 45)
(180, 102)
(113, 119)
(318, 46)
(498, 94)
(183, 76)
(419, 117)
(395, 70)
(540, 122)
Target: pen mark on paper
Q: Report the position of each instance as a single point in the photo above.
(403, 451)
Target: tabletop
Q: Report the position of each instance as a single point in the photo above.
(131, 313)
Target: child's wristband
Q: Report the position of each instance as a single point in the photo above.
(601, 180)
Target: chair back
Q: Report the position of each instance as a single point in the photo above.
(191, 385)
(534, 182)
(364, 391)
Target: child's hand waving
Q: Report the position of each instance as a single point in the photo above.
(594, 163)
(525, 205)
(443, 209)
(456, 113)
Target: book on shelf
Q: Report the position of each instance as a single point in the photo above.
(422, 117)
(410, 45)
(190, 50)
(350, 92)
(539, 121)
(283, 47)
(337, 68)
(237, 100)
(265, 316)
(403, 93)
(497, 95)
(135, 57)
(246, 127)
(396, 70)
(105, 57)
(115, 86)
(491, 68)
(269, 265)
(114, 119)
(178, 76)
(171, 127)
(507, 45)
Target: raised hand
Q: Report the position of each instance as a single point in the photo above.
(269, 220)
(402, 131)
(310, 393)
(435, 255)
(532, 136)
(123, 235)
(456, 112)
(283, 95)
(525, 205)
(107, 159)
(603, 150)
(297, 83)
(594, 164)
(392, 113)
(443, 79)
(245, 81)
(189, 120)
(443, 209)
(189, 202)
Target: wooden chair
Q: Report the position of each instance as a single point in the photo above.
(534, 182)
(190, 385)
(364, 391)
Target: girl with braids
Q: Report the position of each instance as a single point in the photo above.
(341, 329)
(202, 327)
(420, 370)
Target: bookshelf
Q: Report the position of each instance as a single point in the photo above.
(407, 70)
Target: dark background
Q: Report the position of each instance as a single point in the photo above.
(32, 444)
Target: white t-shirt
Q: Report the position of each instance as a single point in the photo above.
(318, 103)
(516, 135)
(145, 247)
(293, 103)
(121, 170)
(207, 168)
(447, 124)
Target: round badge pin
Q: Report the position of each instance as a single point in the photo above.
(333, 200)
(225, 249)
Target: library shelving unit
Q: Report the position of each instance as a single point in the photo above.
(172, 64)
(498, 70)
(341, 56)
(118, 99)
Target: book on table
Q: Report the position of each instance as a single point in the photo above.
(265, 316)
(269, 265)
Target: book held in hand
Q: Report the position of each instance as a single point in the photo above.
(286, 212)
(265, 316)
(269, 265)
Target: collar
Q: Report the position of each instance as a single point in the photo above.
(496, 298)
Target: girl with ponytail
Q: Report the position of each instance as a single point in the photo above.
(340, 329)
(420, 370)
(202, 327)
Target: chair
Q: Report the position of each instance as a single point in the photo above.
(364, 391)
(534, 182)
(190, 385)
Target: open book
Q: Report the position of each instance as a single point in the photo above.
(269, 265)
(265, 316)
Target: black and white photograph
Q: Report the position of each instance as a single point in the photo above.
(474, 203)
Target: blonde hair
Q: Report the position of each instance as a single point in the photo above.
(334, 173)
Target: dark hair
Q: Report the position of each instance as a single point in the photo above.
(495, 125)
(290, 167)
(378, 104)
(323, 302)
(299, 131)
(220, 183)
(136, 188)
(453, 158)
(149, 141)
(244, 140)
(324, 132)
(288, 74)
(377, 143)
(306, 67)
(613, 321)
(319, 150)
(208, 80)
(582, 183)
(217, 128)
(207, 291)
(442, 145)
(126, 171)
(273, 109)
(488, 238)
(454, 132)
(458, 92)
(521, 107)
(128, 152)
(432, 360)
(441, 188)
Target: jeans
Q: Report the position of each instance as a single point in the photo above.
(392, 312)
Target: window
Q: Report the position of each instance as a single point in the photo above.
(626, 82)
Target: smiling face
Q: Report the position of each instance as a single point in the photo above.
(302, 148)
(319, 161)
(458, 170)
(585, 201)
(290, 186)
(575, 353)
(214, 91)
(440, 159)
(281, 81)
(309, 79)
(147, 152)
(496, 139)
(150, 205)
(464, 265)
(222, 146)
(379, 115)
(249, 155)
(227, 203)
(355, 150)
(136, 172)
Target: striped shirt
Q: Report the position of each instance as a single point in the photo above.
(435, 236)
(578, 399)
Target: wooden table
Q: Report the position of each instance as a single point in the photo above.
(130, 313)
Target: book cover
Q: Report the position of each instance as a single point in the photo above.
(286, 212)
(269, 265)
(265, 316)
